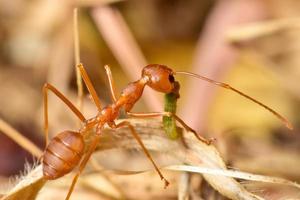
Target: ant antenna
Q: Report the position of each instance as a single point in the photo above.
(226, 86)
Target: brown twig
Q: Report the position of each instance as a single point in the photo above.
(77, 59)
(120, 40)
(20, 139)
(201, 158)
(214, 57)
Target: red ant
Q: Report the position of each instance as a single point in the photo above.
(66, 150)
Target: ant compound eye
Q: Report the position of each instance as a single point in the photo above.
(171, 78)
(161, 77)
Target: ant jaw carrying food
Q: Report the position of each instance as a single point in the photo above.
(160, 77)
(67, 149)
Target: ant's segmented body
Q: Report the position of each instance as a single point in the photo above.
(67, 150)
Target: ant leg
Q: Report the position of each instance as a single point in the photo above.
(169, 114)
(111, 83)
(50, 87)
(89, 86)
(83, 164)
(137, 137)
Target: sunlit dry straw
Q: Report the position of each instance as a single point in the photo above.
(260, 29)
(60, 60)
(99, 168)
(233, 174)
(120, 40)
(214, 57)
(202, 158)
(184, 186)
(20, 139)
(219, 172)
(91, 3)
(77, 59)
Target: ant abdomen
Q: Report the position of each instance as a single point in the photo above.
(62, 154)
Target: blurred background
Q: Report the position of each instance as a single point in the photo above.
(251, 44)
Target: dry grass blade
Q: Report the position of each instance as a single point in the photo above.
(28, 187)
(199, 156)
(90, 3)
(260, 29)
(104, 186)
(110, 185)
(234, 174)
(183, 186)
(123, 45)
(119, 38)
(20, 139)
(77, 59)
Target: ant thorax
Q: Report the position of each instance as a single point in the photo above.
(108, 114)
(131, 94)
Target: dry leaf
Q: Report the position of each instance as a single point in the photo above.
(199, 155)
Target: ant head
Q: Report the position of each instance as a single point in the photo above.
(160, 77)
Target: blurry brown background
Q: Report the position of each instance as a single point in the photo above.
(251, 44)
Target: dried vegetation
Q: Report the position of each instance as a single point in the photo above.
(37, 46)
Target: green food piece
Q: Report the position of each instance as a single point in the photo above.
(169, 122)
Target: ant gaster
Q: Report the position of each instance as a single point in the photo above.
(66, 150)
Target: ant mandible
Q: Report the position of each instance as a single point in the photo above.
(66, 150)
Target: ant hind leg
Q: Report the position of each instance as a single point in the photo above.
(50, 87)
(137, 137)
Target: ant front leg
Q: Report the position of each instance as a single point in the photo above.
(169, 114)
(50, 87)
(138, 139)
(111, 83)
(89, 86)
